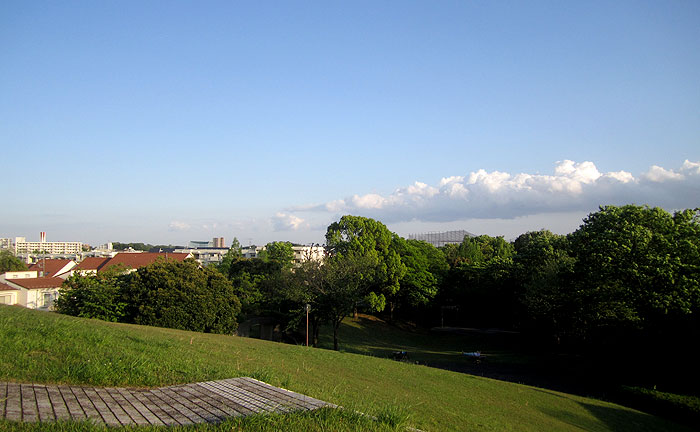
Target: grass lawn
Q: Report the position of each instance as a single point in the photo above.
(50, 348)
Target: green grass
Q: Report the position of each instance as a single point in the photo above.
(50, 348)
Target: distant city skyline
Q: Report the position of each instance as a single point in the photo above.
(165, 122)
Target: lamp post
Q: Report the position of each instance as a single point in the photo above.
(308, 308)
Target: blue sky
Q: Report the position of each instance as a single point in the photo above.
(171, 121)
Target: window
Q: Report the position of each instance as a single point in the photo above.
(48, 297)
(5, 299)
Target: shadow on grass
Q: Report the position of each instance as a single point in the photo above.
(613, 418)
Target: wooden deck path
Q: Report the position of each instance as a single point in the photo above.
(205, 402)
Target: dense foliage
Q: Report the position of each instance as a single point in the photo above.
(165, 294)
(96, 296)
(9, 262)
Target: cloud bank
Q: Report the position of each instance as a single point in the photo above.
(481, 194)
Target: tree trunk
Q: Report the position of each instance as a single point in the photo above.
(314, 331)
(335, 334)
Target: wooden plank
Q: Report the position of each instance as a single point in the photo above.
(155, 399)
(227, 399)
(30, 412)
(74, 409)
(119, 414)
(130, 398)
(179, 404)
(285, 399)
(121, 408)
(101, 407)
(249, 406)
(3, 399)
(210, 401)
(183, 397)
(306, 401)
(13, 407)
(153, 407)
(60, 409)
(86, 404)
(43, 403)
(259, 400)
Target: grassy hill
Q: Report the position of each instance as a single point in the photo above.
(51, 348)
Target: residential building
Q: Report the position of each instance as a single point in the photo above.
(308, 253)
(26, 289)
(22, 246)
(6, 243)
(35, 293)
(53, 267)
(301, 253)
(204, 256)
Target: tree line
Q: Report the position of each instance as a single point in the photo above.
(625, 284)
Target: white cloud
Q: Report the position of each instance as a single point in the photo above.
(691, 168)
(287, 222)
(659, 175)
(573, 187)
(178, 226)
(369, 201)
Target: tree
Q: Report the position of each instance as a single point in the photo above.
(257, 284)
(182, 295)
(543, 271)
(475, 250)
(426, 267)
(332, 288)
(9, 262)
(355, 237)
(93, 296)
(279, 252)
(638, 266)
(233, 254)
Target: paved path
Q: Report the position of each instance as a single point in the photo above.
(205, 402)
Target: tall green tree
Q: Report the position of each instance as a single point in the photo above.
(543, 272)
(638, 265)
(182, 295)
(9, 262)
(361, 237)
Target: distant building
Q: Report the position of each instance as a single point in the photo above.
(301, 253)
(22, 246)
(440, 239)
(205, 256)
(216, 242)
(6, 243)
(308, 253)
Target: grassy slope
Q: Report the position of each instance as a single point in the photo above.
(50, 348)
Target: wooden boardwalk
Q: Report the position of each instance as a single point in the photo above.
(205, 402)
